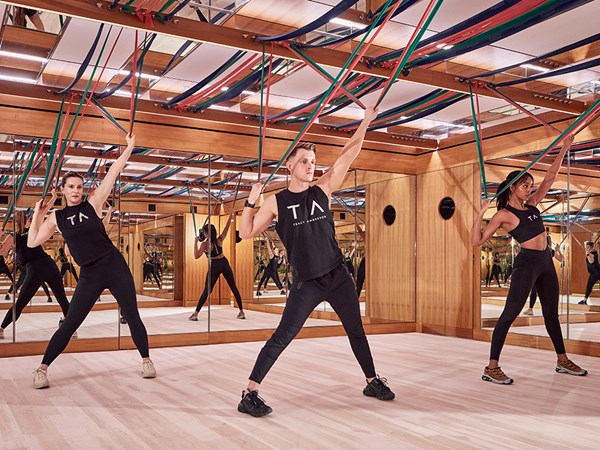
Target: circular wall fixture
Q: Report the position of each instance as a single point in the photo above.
(389, 214)
(446, 208)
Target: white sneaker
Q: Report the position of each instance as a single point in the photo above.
(148, 370)
(40, 379)
(528, 312)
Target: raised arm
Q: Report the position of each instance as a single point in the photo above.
(101, 193)
(251, 223)
(223, 235)
(479, 236)
(40, 230)
(550, 176)
(332, 179)
(199, 249)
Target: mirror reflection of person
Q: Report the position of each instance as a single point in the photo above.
(20, 15)
(517, 215)
(593, 267)
(270, 271)
(306, 228)
(38, 267)
(219, 265)
(101, 263)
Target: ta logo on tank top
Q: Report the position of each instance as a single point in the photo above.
(81, 217)
(532, 217)
(312, 217)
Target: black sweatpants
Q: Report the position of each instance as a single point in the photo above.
(592, 280)
(531, 268)
(109, 272)
(272, 274)
(36, 272)
(219, 266)
(338, 288)
(68, 267)
(532, 297)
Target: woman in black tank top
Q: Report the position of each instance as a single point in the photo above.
(517, 214)
(102, 265)
(593, 267)
(218, 266)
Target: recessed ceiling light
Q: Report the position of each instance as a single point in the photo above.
(534, 67)
(23, 56)
(17, 79)
(347, 23)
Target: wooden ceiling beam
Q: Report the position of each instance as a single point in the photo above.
(240, 39)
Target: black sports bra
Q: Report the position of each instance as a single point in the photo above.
(530, 223)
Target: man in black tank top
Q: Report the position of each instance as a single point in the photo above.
(305, 226)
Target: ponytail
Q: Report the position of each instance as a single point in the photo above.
(502, 199)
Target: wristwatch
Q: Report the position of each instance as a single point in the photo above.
(249, 205)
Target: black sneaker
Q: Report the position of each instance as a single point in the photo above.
(123, 320)
(49, 300)
(253, 404)
(379, 388)
(60, 322)
(582, 302)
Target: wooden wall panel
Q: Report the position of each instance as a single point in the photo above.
(390, 278)
(445, 257)
(194, 273)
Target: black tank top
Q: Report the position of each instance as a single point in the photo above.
(305, 226)
(24, 253)
(530, 223)
(84, 233)
(63, 258)
(593, 266)
(216, 250)
(273, 263)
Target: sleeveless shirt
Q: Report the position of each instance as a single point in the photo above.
(305, 226)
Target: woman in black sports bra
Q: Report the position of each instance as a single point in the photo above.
(517, 215)
(219, 265)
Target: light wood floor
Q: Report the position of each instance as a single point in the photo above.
(98, 400)
(105, 323)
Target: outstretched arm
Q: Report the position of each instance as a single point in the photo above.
(479, 236)
(40, 230)
(223, 235)
(99, 196)
(199, 249)
(334, 176)
(251, 223)
(550, 176)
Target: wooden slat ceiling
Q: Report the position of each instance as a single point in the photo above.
(60, 52)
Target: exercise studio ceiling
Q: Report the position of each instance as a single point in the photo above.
(533, 67)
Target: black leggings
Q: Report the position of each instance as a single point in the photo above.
(532, 297)
(337, 287)
(360, 276)
(36, 272)
(21, 280)
(109, 272)
(217, 267)
(6, 271)
(272, 274)
(149, 271)
(68, 267)
(531, 268)
(592, 280)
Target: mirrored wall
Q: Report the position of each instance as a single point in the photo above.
(571, 214)
(159, 216)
